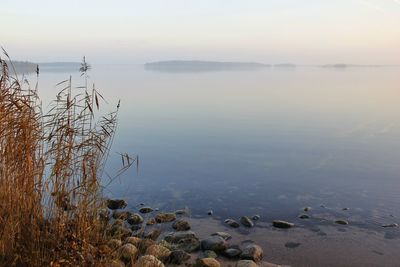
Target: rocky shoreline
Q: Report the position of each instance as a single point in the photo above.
(152, 238)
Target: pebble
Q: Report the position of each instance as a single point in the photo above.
(214, 243)
(232, 252)
(304, 216)
(134, 219)
(224, 235)
(390, 225)
(342, 222)
(145, 210)
(210, 212)
(282, 224)
(252, 252)
(256, 217)
(232, 223)
(246, 221)
(178, 257)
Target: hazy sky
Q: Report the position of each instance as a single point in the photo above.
(270, 31)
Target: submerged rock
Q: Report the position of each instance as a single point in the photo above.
(134, 218)
(342, 222)
(151, 221)
(180, 212)
(207, 262)
(246, 221)
(232, 223)
(178, 257)
(246, 263)
(307, 209)
(256, 217)
(165, 217)
(304, 216)
(149, 261)
(114, 204)
(252, 252)
(145, 210)
(390, 225)
(214, 243)
(210, 212)
(282, 224)
(224, 235)
(181, 225)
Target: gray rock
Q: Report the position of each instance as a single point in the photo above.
(178, 257)
(181, 225)
(232, 252)
(122, 215)
(246, 263)
(224, 235)
(114, 204)
(145, 210)
(164, 217)
(252, 252)
(134, 219)
(210, 212)
(180, 212)
(187, 241)
(246, 221)
(342, 222)
(282, 224)
(149, 261)
(304, 216)
(256, 217)
(232, 223)
(214, 243)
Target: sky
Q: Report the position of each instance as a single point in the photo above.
(267, 31)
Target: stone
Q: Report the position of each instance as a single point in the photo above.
(121, 215)
(116, 263)
(149, 261)
(165, 217)
(210, 212)
(134, 218)
(209, 254)
(232, 223)
(214, 243)
(256, 217)
(246, 221)
(153, 234)
(160, 252)
(304, 216)
(180, 212)
(114, 204)
(246, 263)
(119, 232)
(151, 221)
(232, 252)
(178, 257)
(207, 262)
(181, 225)
(345, 209)
(128, 252)
(146, 243)
(186, 240)
(114, 243)
(133, 240)
(252, 252)
(145, 210)
(224, 235)
(306, 209)
(282, 224)
(342, 222)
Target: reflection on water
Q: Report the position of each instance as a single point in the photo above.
(268, 142)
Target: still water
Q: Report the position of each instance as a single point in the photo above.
(266, 142)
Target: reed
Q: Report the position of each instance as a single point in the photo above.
(50, 167)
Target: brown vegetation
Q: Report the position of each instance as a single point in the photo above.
(50, 164)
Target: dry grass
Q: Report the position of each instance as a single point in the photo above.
(50, 191)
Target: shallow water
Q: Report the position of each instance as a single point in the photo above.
(266, 142)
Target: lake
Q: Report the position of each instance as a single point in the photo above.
(267, 142)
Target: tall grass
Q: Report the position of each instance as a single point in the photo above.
(50, 190)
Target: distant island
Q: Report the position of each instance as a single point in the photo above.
(198, 65)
